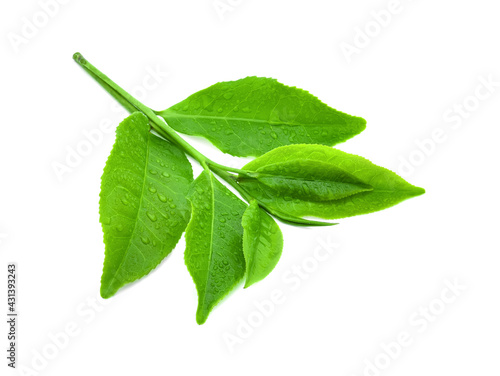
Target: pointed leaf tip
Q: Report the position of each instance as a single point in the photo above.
(419, 191)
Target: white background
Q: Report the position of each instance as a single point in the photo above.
(427, 58)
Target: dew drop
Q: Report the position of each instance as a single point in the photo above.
(162, 198)
(145, 240)
(152, 189)
(151, 216)
(106, 220)
(228, 95)
(166, 174)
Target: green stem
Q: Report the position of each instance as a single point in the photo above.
(248, 174)
(132, 104)
(230, 179)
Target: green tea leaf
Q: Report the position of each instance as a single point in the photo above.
(262, 243)
(254, 115)
(214, 245)
(143, 207)
(310, 180)
(388, 189)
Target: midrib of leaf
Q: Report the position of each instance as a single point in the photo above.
(252, 265)
(137, 214)
(288, 177)
(226, 118)
(392, 191)
(303, 179)
(375, 190)
(322, 164)
(210, 176)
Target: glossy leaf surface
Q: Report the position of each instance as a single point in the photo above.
(143, 206)
(310, 180)
(254, 115)
(214, 242)
(262, 243)
(388, 188)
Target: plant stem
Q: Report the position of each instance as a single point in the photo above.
(248, 174)
(230, 179)
(131, 104)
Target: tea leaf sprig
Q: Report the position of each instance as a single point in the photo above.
(149, 196)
